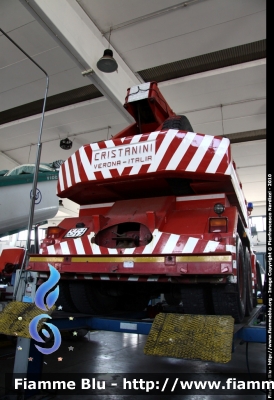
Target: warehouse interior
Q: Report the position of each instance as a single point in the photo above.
(209, 60)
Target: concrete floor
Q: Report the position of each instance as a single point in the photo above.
(118, 353)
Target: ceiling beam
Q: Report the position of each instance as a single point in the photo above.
(217, 71)
(152, 15)
(11, 162)
(82, 40)
(249, 136)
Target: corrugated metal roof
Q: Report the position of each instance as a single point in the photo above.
(177, 69)
(240, 137)
(53, 102)
(205, 62)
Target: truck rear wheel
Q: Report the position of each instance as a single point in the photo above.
(80, 298)
(99, 297)
(196, 299)
(64, 299)
(133, 302)
(173, 297)
(231, 299)
(92, 297)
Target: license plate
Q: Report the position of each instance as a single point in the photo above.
(76, 232)
(128, 264)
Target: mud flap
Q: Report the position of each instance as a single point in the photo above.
(202, 337)
(16, 317)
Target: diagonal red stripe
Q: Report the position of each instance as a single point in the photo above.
(64, 177)
(226, 160)
(99, 175)
(88, 151)
(159, 140)
(209, 154)
(114, 173)
(71, 246)
(57, 248)
(161, 243)
(81, 170)
(87, 245)
(102, 145)
(126, 171)
(71, 171)
(169, 153)
(190, 152)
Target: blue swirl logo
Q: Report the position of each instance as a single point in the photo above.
(40, 298)
(37, 197)
(45, 288)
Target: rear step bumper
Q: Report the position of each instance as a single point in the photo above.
(177, 266)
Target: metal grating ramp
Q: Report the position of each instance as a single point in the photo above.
(16, 317)
(202, 337)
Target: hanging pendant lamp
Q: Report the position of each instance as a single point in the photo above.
(107, 63)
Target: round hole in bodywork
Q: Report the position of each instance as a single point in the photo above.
(123, 236)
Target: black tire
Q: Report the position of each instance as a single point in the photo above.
(99, 298)
(133, 302)
(80, 298)
(173, 298)
(179, 122)
(231, 299)
(196, 299)
(249, 294)
(64, 299)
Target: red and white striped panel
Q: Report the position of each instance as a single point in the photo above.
(117, 277)
(162, 243)
(240, 195)
(120, 278)
(146, 153)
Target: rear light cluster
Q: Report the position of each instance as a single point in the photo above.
(217, 225)
(54, 232)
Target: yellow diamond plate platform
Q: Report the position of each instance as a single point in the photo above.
(199, 337)
(16, 317)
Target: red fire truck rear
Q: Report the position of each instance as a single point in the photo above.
(161, 211)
